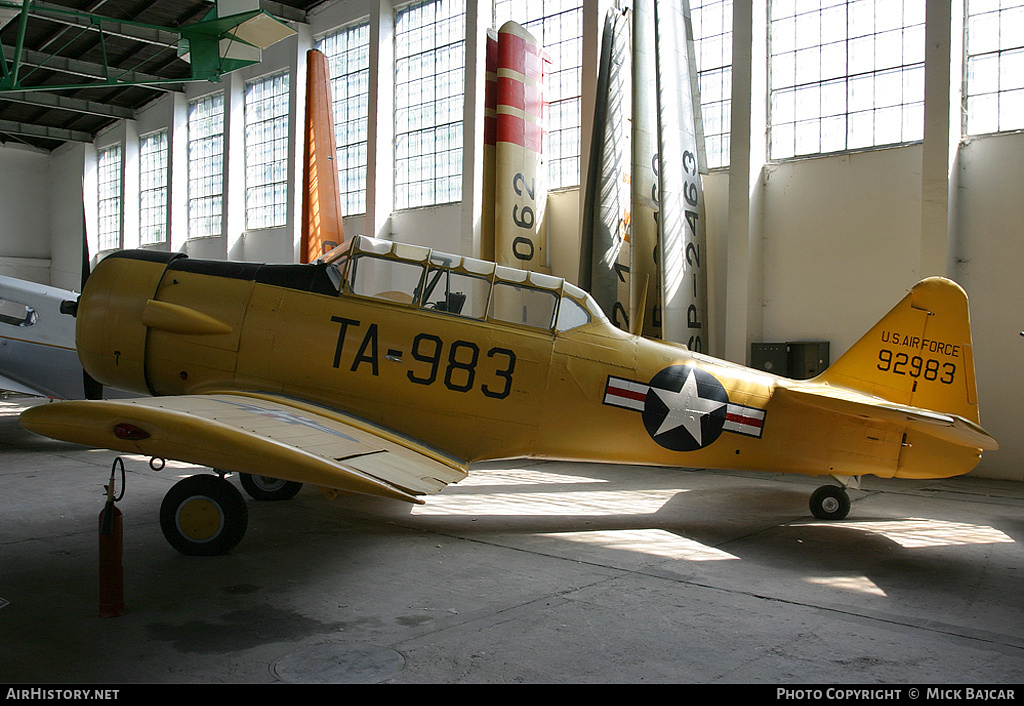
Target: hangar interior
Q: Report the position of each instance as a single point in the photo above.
(854, 147)
(852, 151)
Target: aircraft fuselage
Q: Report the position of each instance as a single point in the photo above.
(475, 384)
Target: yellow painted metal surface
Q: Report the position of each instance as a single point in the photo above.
(409, 346)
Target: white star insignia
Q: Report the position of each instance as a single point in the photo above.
(686, 408)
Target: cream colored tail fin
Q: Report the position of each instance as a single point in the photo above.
(920, 354)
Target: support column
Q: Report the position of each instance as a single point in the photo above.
(744, 318)
(380, 178)
(944, 22)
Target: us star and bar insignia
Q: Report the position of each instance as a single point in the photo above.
(684, 408)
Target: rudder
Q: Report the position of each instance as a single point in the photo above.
(919, 354)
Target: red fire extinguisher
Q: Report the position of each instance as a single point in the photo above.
(111, 550)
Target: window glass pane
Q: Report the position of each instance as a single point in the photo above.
(712, 36)
(995, 66)
(205, 166)
(430, 48)
(16, 314)
(348, 54)
(845, 74)
(153, 188)
(380, 278)
(523, 305)
(457, 293)
(108, 176)
(266, 152)
(571, 315)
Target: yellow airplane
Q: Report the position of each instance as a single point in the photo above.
(389, 368)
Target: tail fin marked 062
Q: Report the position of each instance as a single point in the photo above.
(920, 354)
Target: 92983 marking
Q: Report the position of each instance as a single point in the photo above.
(916, 367)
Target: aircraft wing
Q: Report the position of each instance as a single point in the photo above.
(258, 434)
(9, 384)
(949, 427)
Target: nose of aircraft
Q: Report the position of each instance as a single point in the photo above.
(109, 334)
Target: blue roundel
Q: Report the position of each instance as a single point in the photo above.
(685, 408)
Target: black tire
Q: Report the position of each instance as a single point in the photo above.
(203, 515)
(830, 502)
(267, 488)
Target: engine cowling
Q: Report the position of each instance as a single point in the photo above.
(110, 333)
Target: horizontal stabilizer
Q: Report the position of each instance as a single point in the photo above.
(948, 427)
(258, 434)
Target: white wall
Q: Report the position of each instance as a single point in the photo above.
(990, 260)
(24, 231)
(841, 240)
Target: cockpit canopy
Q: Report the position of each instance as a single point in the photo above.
(417, 276)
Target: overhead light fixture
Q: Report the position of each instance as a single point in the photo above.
(231, 36)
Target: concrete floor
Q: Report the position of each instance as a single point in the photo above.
(523, 573)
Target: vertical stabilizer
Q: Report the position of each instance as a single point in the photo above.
(644, 212)
(680, 149)
(520, 175)
(490, 143)
(321, 204)
(605, 258)
(920, 354)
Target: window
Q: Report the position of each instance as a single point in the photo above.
(430, 57)
(108, 177)
(15, 314)
(995, 66)
(381, 278)
(845, 75)
(205, 166)
(517, 304)
(266, 152)
(558, 27)
(712, 35)
(153, 188)
(348, 54)
(457, 292)
(571, 314)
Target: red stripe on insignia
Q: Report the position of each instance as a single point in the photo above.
(745, 420)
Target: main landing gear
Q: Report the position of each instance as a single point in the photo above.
(205, 515)
(831, 502)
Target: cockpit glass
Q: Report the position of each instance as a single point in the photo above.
(518, 304)
(380, 278)
(456, 293)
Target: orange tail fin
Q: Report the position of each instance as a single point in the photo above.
(321, 204)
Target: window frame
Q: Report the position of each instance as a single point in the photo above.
(201, 191)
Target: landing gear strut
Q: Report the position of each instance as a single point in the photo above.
(203, 515)
(267, 488)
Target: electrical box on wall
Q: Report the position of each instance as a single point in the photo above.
(799, 360)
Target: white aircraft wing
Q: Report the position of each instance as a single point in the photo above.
(259, 434)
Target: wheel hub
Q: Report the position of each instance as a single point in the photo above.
(200, 519)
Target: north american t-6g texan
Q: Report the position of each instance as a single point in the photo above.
(321, 374)
(388, 369)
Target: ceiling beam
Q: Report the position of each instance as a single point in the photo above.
(111, 76)
(74, 105)
(52, 133)
(140, 33)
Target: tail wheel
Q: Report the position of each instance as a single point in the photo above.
(267, 488)
(203, 515)
(830, 502)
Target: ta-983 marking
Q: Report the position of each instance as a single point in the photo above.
(460, 365)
